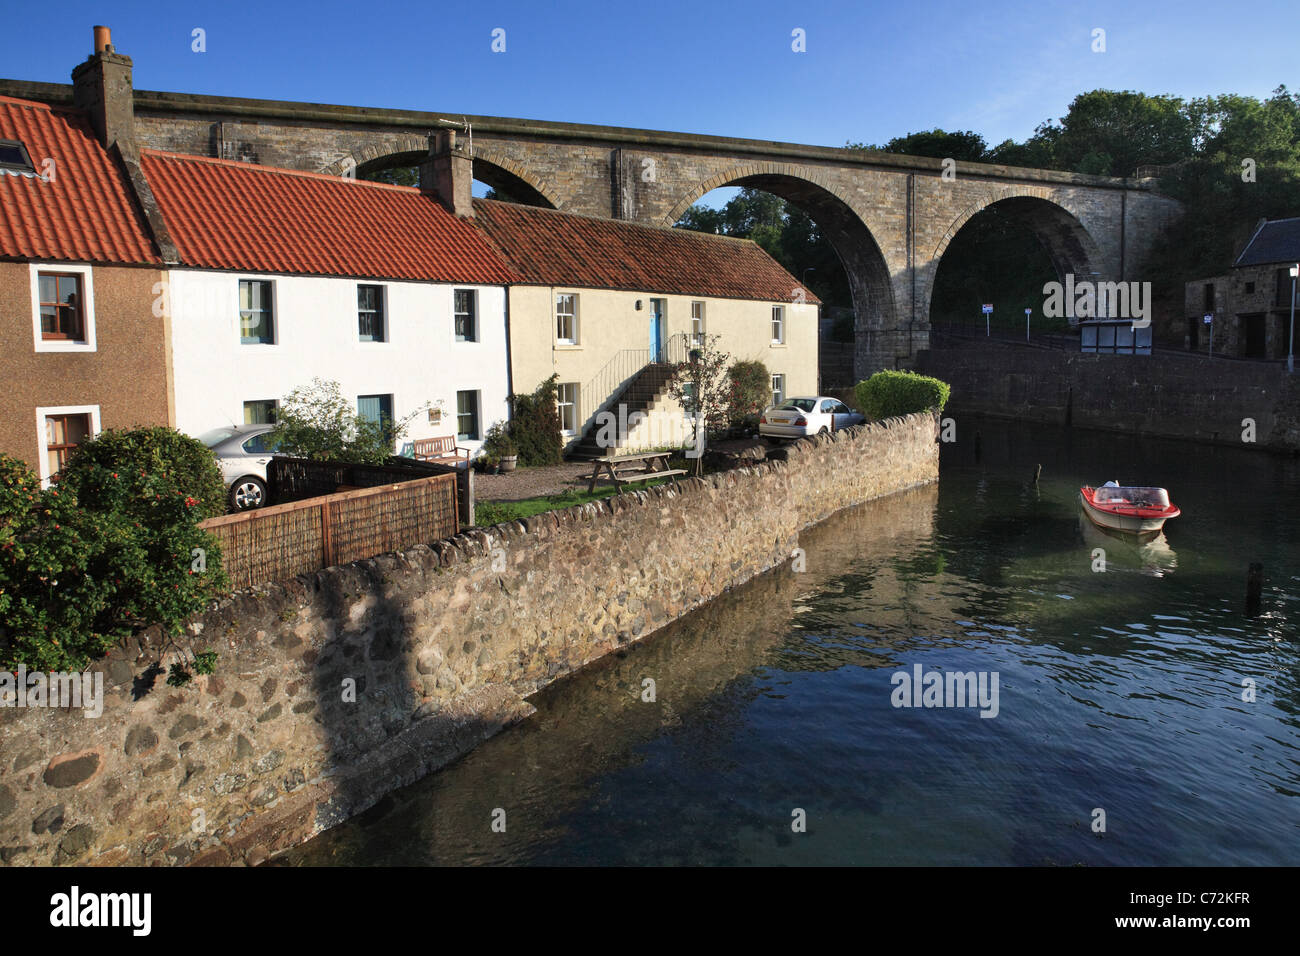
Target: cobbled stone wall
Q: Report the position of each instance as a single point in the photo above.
(442, 644)
(1166, 395)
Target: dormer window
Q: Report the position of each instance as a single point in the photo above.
(14, 158)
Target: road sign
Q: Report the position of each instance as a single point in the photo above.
(987, 308)
(1209, 317)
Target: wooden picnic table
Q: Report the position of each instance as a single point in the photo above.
(620, 470)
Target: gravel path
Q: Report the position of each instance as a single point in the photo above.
(531, 482)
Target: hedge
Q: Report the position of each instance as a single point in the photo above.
(890, 393)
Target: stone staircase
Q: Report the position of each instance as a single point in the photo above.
(640, 393)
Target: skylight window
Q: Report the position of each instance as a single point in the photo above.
(14, 157)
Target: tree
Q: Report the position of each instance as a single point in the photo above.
(785, 232)
(317, 422)
(965, 147)
(1113, 133)
(703, 389)
(395, 176)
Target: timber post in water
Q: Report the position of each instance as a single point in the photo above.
(1254, 586)
(1038, 473)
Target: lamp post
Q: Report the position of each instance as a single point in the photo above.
(1290, 345)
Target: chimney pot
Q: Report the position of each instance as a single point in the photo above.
(103, 40)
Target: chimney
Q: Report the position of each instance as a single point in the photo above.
(102, 87)
(448, 173)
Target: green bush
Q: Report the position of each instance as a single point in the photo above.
(890, 393)
(112, 547)
(535, 425)
(751, 390)
(52, 587)
(498, 444)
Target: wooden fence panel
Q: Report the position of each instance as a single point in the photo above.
(408, 514)
(281, 541)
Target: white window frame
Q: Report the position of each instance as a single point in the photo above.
(474, 315)
(561, 405)
(778, 389)
(478, 414)
(573, 316)
(42, 412)
(383, 317)
(698, 330)
(778, 324)
(87, 308)
(277, 334)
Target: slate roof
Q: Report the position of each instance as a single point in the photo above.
(1277, 241)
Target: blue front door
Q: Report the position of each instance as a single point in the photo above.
(656, 330)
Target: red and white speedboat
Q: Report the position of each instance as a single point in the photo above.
(1136, 510)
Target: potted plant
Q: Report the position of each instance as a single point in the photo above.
(500, 448)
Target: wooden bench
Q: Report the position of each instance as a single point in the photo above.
(442, 448)
(620, 470)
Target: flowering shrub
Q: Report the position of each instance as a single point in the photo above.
(50, 598)
(112, 547)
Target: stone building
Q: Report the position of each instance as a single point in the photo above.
(609, 306)
(1251, 304)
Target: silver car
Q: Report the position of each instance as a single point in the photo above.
(243, 452)
(800, 417)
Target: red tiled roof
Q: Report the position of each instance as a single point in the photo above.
(558, 248)
(85, 212)
(232, 215)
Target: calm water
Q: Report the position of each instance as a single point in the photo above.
(1119, 690)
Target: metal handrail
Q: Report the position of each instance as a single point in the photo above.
(624, 366)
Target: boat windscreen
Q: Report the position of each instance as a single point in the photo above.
(1138, 497)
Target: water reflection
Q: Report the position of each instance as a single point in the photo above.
(1125, 552)
(1121, 690)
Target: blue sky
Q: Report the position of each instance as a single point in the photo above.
(871, 70)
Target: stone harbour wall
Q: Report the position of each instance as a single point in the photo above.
(338, 687)
(1168, 395)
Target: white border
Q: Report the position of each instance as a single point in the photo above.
(44, 410)
(88, 309)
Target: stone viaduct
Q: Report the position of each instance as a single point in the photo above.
(889, 217)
